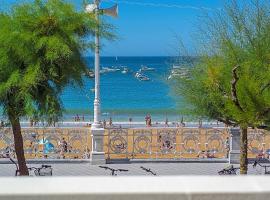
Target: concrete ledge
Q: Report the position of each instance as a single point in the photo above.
(134, 188)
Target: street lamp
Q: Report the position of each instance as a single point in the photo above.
(97, 132)
(113, 11)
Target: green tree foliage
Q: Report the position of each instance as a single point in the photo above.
(41, 46)
(230, 82)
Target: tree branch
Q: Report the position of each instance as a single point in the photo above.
(233, 88)
(263, 113)
(265, 87)
(226, 121)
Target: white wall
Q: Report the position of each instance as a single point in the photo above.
(136, 188)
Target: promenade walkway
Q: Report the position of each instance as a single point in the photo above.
(162, 169)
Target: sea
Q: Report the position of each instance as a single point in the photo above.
(123, 96)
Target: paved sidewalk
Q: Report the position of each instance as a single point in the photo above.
(162, 169)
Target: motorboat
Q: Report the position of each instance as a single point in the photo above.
(90, 74)
(141, 77)
(125, 70)
(178, 71)
(145, 68)
(109, 69)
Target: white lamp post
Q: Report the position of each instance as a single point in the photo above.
(97, 132)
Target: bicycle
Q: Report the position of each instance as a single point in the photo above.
(113, 171)
(148, 170)
(44, 170)
(256, 163)
(231, 170)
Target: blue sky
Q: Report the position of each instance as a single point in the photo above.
(151, 30)
(149, 27)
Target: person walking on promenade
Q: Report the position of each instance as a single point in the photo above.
(227, 147)
(63, 147)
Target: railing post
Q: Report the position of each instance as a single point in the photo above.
(234, 155)
(97, 156)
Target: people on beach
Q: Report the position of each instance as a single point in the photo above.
(110, 122)
(31, 122)
(77, 118)
(166, 122)
(200, 123)
(104, 123)
(148, 120)
(182, 122)
(2, 124)
(130, 121)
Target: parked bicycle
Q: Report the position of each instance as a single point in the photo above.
(231, 170)
(44, 170)
(266, 171)
(113, 171)
(148, 170)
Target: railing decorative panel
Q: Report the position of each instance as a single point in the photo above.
(51, 143)
(165, 143)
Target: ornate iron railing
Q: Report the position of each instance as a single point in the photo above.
(174, 143)
(137, 143)
(52, 143)
(170, 143)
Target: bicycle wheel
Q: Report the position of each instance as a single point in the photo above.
(222, 172)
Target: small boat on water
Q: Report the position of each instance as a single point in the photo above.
(178, 71)
(145, 68)
(109, 69)
(90, 74)
(124, 71)
(141, 77)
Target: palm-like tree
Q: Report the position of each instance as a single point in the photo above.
(41, 46)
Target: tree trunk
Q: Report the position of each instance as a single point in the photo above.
(18, 141)
(243, 151)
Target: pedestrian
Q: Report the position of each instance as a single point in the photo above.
(110, 122)
(227, 147)
(63, 147)
(130, 121)
(146, 120)
(149, 120)
(31, 122)
(2, 123)
(200, 123)
(167, 122)
(104, 123)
